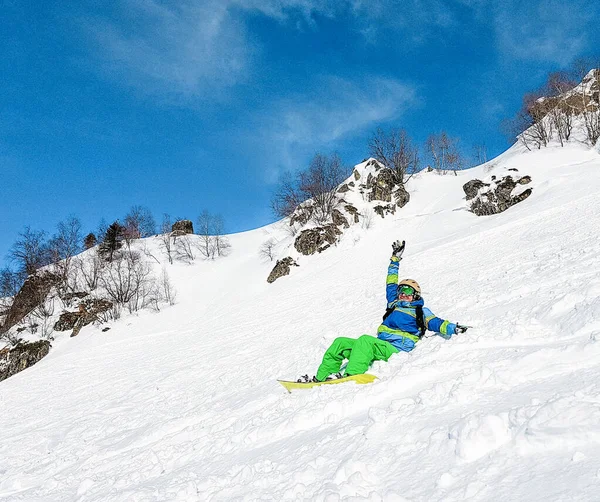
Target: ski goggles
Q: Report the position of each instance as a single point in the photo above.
(406, 290)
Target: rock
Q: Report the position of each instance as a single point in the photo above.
(498, 197)
(401, 196)
(381, 186)
(32, 294)
(68, 297)
(89, 311)
(22, 356)
(66, 321)
(302, 215)
(281, 269)
(344, 188)
(316, 239)
(471, 188)
(356, 175)
(525, 180)
(182, 227)
(339, 219)
(353, 211)
(383, 210)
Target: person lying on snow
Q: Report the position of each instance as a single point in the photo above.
(404, 324)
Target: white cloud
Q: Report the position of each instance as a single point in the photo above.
(548, 31)
(186, 49)
(341, 108)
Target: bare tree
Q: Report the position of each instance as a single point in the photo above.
(444, 152)
(221, 243)
(368, 217)
(139, 222)
(267, 249)
(319, 183)
(89, 267)
(65, 244)
(480, 153)
(184, 250)
(30, 251)
(204, 229)
(168, 291)
(287, 196)
(395, 150)
(166, 241)
(10, 283)
(128, 281)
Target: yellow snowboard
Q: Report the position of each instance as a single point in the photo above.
(360, 379)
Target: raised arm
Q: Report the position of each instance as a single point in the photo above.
(391, 281)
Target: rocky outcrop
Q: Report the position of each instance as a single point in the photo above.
(89, 311)
(497, 196)
(22, 356)
(316, 239)
(471, 188)
(401, 196)
(381, 186)
(182, 227)
(282, 268)
(32, 294)
(383, 210)
(339, 219)
(302, 215)
(67, 298)
(351, 210)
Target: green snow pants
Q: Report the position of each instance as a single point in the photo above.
(360, 353)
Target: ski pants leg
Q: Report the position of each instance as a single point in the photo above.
(334, 356)
(360, 353)
(366, 350)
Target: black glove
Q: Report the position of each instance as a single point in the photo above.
(398, 249)
(461, 329)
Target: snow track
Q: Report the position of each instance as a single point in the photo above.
(183, 405)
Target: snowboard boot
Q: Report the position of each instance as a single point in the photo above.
(307, 379)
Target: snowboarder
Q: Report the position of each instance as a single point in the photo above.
(404, 324)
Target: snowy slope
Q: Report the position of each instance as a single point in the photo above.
(183, 404)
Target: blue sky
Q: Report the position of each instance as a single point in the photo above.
(192, 105)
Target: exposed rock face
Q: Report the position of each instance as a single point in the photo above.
(316, 239)
(498, 197)
(401, 196)
(22, 356)
(69, 297)
(32, 294)
(472, 187)
(302, 214)
(89, 310)
(339, 219)
(383, 210)
(350, 209)
(381, 186)
(281, 269)
(182, 227)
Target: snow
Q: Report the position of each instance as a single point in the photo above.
(183, 405)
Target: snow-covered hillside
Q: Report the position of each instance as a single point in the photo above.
(184, 404)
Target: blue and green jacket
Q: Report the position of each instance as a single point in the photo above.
(400, 327)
